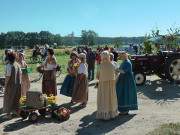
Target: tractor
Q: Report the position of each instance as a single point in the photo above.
(165, 64)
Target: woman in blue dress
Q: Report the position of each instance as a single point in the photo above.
(126, 87)
(68, 84)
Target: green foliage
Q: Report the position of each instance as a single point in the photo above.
(20, 39)
(118, 43)
(147, 47)
(88, 37)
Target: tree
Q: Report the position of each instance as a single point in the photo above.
(88, 37)
(117, 43)
(57, 39)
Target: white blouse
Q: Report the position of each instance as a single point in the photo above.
(83, 69)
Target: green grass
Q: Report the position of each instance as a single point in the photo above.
(167, 129)
(61, 56)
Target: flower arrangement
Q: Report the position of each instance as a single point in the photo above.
(22, 101)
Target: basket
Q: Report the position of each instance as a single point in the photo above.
(62, 114)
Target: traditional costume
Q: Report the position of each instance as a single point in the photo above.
(126, 88)
(68, 84)
(80, 91)
(25, 83)
(12, 88)
(106, 96)
(49, 85)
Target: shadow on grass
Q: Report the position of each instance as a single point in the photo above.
(161, 91)
(91, 126)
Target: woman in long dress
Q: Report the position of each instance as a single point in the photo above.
(49, 86)
(25, 83)
(68, 84)
(12, 86)
(126, 87)
(80, 91)
(106, 96)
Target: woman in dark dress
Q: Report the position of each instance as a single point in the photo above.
(126, 87)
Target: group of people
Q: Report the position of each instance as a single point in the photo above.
(17, 81)
(116, 85)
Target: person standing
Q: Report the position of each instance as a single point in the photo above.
(12, 86)
(25, 83)
(49, 85)
(68, 84)
(126, 87)
(80, 91)
(106, 96)
(91, 58)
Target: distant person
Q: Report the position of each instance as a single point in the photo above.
(126, 87)
(106, 48)
(12, 92)
(115, 54)
(49, 85)
(115, 64)
(130, 49)
(80, 89)
(91, 59)
(106, 94)
(25, 81)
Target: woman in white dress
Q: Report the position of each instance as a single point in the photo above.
(106, 96)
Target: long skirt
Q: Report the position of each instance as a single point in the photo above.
(126, 93)
(49, 85)
(67, 86)
(25, 84)
(106, 100)
(80, 92)
(12, 93)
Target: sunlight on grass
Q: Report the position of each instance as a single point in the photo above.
(167, 129)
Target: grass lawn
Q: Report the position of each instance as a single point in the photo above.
(167, 129)
(62, 59)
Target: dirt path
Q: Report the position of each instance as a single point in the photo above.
(158, 104)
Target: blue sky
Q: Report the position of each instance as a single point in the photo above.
(106, 17)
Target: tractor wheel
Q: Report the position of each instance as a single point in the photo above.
(140, 78)
(33, 117)
(24, 114)
(173, 69)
